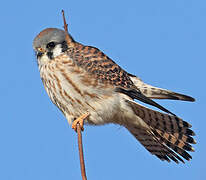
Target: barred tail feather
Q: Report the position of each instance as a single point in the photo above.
(178, 146)
(166, 136)
(162, 121)
(154, 144)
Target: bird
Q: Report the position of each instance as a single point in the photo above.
(90, 88)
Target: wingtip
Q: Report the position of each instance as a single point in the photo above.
(188, 98)
(182, 97)
(192, 99)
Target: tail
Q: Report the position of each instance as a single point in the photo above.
(158, 93)
(167, 137)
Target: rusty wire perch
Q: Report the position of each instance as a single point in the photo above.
(81, 154)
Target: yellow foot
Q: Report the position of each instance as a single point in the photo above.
(80, 120)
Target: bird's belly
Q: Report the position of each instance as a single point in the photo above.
(74, 98)
(102, 108)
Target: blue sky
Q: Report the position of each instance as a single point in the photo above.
(163, 42)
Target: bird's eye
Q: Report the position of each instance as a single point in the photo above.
(50, 45)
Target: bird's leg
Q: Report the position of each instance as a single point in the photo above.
(80, 120)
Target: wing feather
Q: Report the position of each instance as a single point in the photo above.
(104, 69)
(158, 93)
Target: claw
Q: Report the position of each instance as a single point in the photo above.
(80, 120)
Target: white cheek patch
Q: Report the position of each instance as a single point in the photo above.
(57, 50)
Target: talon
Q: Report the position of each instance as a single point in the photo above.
(80, 121)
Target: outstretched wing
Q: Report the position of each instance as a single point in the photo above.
(107, 71)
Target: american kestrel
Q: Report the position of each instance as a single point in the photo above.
(87, 86)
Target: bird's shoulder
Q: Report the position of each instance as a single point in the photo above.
(97, 63)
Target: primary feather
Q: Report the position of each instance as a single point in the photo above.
(158, 93)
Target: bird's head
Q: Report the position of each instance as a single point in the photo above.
(50, 43)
